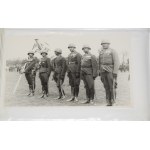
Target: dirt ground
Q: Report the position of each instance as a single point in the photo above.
(20, 98)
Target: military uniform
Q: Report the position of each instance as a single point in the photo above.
(108, 66)
(74, 66)
(88, 74)
(59, 73)
(44, 74)
(30, 74)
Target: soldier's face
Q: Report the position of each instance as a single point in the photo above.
(43, 54)
(30, 55)
(72, 49)
(56, 53)
(86, 50)
(105, 46)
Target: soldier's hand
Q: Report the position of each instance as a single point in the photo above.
(94, 78)
(21, 72)
(98, 72)
(62, 77)
(77, 74)
(114, 75)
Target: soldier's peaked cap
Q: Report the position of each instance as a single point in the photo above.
(44, 51)
(86, 46)
(71, 45)
(58, 50)
(105, 42)
(30, 52)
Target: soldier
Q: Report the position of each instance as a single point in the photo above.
(30, 72)
(44, 72)
(74, 66)
(88, 73)
(108, 66)
(59, 65)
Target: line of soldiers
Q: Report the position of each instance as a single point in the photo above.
(78, 68)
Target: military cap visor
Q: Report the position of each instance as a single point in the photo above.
(44, 52)
(105, 42)
(71, 47)
(86, 47)
(30, 53)
(58, 51)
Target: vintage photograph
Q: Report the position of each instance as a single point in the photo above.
(56, 67)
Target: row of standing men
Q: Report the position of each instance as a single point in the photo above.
(78, 68)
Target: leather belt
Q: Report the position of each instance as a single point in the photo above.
(72, 62)
(86, 66)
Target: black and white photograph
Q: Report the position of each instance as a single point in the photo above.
(52, 67)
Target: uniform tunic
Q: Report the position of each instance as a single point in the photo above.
(44, 73)
(74, 67)
(59, 65)
(59, 70)
(89, 69)
(30, 72)
(108, 65)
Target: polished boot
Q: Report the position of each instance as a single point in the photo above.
(72, 95)
(76, 99)
(91, 101)
(43, 95)
(109, 103)
(30, 91)
(87, 101)
(60, 94)
(76, 91)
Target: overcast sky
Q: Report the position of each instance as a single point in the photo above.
(19, 41)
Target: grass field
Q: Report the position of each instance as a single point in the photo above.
(20, 98)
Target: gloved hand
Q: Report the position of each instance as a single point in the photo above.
(98, 72)
(77, 74)
(94, 78)
(114, 75)
(61, 77)
(33, 72)
(48, 74)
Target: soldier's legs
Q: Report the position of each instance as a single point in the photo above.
(84, 78)
(110, 82)
(90, 83)
(30, 82)
(104, 80)
(59, 83)
(77, 84)
(72, 84)
(44, 82)
(33, 83)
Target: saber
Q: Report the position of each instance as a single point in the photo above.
(95, 96)
(14, 91)
(114, 89)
